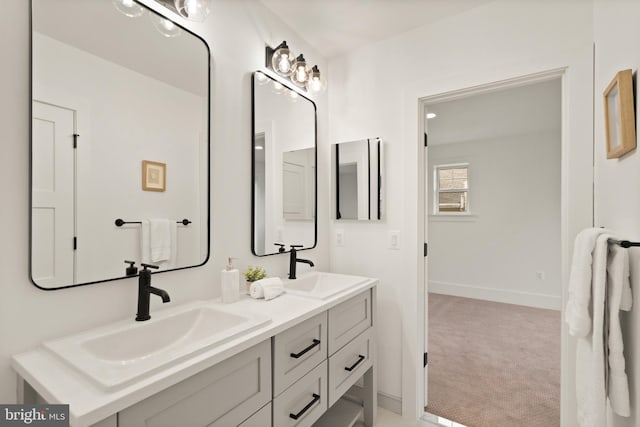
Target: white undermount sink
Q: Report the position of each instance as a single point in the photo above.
(116, 354)
(321, 285)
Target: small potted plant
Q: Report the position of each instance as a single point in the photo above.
(252, 274)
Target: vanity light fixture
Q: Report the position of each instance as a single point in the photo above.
(300, 74)
(128, 8)
(431, 115)
(280, 59)
(286, 64)
(315, 83)
(193, 10)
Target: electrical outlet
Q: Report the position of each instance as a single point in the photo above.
(339, 238)
(394, 239)
(540, 275)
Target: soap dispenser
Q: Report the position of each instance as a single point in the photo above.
(230, 279)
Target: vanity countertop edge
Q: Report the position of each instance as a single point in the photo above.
(89, 404)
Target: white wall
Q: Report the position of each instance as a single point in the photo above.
(236, 33)
(494, 42)
(617, 200)
(513, 231)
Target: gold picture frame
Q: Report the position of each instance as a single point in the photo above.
(154, 176)
(619, 115)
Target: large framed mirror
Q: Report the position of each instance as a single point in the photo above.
(119, 142)
(357, 179)
(284, 171)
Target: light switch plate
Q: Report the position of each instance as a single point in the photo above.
(394, 239)
(339, 238)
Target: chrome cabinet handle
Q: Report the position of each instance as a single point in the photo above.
(306, 408)
(297, 355)
(352, 367)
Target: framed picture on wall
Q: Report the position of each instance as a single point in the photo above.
(619, 115)
(154, 176)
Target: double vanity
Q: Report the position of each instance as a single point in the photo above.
(304, 358)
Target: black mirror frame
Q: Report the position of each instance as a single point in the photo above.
(208, 255)
(253, 168)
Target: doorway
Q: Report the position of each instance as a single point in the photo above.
(493, 225)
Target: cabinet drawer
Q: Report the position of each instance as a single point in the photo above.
(262, 418)
(304, 402)
(349, 363)
(298, 350)
(222, 395)
(348, 320)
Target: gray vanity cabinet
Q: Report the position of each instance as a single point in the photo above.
(318, 372)
(224, 395)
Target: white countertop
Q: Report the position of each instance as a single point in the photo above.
(57, 382)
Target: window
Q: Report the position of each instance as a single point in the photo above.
(451, 195)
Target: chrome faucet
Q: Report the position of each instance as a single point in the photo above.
(145, 290)
(294, 260)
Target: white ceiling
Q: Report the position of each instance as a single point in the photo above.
(515, 111)
(338, 26)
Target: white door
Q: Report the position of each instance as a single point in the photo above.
(52, 239)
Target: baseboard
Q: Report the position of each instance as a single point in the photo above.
(390, 403)
(528, 299)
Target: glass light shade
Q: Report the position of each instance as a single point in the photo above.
(282, 60)
(128, 8)
(315, 83)
(193, 10)
(164, 26)
(300, 74)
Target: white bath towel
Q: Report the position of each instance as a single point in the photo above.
(267, 288)
(159, 242)
(618, 298)
(577, 311)
(590, 351)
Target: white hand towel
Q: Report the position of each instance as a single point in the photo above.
(591, 395)
(145, 244)
(267, 288)
(160, 239)
(618, 298)
(577, 312)
(145, 249)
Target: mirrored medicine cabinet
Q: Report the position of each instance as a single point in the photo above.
(120, 130)
(356, 173)
(284, 169)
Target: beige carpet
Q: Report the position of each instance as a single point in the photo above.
(493, 364)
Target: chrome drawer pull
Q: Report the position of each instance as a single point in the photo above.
(306, 408)
(297, 355)
(352, 367)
